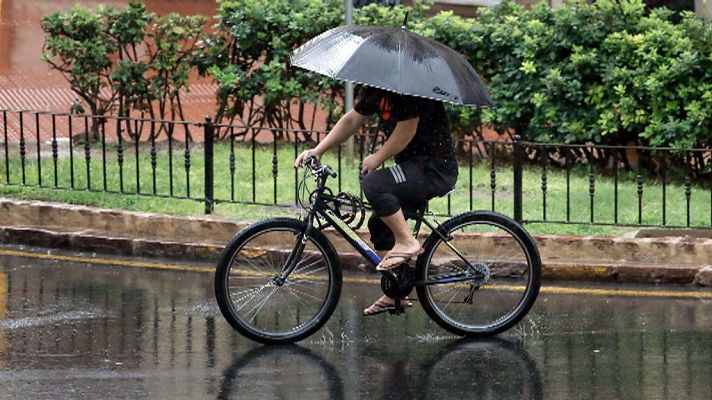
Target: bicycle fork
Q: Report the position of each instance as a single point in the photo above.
(296, 254)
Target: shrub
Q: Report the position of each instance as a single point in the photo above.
(608, 72)
(248, 57)
(123, 59)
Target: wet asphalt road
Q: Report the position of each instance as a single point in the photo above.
(74, 330)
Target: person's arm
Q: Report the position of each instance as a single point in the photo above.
(344, 128)
(402, 134)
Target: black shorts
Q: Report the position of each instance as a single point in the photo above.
(406, 186)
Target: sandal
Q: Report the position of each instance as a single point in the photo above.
(382, 305)
(404, 257)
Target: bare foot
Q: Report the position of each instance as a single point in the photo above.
(400, 253)
(411, 246)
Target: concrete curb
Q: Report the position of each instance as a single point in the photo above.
(78, 228)
(82, 242)
(126, 246)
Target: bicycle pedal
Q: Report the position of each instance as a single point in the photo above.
(396, 311)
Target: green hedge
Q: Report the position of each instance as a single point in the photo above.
(248, 57)
(611, 72)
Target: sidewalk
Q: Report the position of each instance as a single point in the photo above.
(683, 260)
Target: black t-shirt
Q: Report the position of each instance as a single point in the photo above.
(432, 137)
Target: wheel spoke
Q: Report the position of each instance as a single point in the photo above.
(310, 272)
(295, 290)
(261, 305)
(498, 298)
(307, 263)
(244, 303)
(452, 297)
(257, 270)
(238, 296)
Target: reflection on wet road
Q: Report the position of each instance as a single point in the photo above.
(72, 330)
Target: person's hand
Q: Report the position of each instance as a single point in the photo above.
(306, 154)
(370, 163)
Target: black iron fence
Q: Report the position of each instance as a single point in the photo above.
(213, 164)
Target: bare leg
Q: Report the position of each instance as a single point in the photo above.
(404, 240)
(404, 243)
(381, 300)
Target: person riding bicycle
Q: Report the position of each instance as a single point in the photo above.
(418, 138)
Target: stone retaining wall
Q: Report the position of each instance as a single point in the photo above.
(655, 259)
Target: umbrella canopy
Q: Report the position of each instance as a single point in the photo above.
(396, 60)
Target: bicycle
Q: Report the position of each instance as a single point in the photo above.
(492, 368)
(278, 280)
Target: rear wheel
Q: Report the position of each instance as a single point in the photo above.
(490, 368)
(254, 303)
(483, 278)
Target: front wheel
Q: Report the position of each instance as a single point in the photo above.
(261, 307)
(480, 275)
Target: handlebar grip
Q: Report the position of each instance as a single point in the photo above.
(313, 163)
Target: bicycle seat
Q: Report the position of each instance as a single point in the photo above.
(416, 210)
(446, 194)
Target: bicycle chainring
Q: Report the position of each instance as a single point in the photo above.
(398, 282)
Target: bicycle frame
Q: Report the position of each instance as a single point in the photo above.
(319, 207)
(253, 267)
(352, 237)
(365, 250)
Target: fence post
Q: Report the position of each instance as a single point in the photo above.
(209, 130)
(517, 153)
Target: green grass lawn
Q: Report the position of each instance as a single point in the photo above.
(261, 188)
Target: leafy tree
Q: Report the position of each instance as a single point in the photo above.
(126, 30)
(79, 45)
(172, 47)
(248, 57)
(610, 72)
(124, 60)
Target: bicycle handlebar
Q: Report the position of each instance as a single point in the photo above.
(313, 164)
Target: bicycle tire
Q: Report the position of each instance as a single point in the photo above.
(491, 368)
(529, 290)
(275, 365)
(322, 250)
